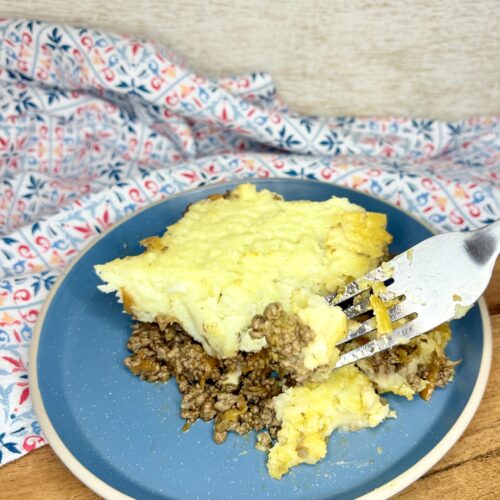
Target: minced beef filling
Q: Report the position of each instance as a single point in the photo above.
(435, 373)
(286, 337)
(235, 392)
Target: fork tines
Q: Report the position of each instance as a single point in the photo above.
(357, 292)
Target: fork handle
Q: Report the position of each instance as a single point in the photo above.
(484, 244)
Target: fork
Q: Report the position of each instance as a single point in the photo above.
(435, 281)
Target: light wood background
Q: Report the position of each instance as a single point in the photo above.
(424, 58)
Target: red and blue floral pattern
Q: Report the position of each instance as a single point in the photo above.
(94, 126)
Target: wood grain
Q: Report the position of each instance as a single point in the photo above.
(349, 57)
(470, 470)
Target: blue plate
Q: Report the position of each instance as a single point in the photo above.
(122, 436)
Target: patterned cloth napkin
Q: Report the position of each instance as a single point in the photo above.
(94, 126)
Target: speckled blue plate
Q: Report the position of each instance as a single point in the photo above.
(122, 437)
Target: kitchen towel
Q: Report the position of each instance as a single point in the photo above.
(94, 126)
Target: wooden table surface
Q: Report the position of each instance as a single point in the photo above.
(471, 469)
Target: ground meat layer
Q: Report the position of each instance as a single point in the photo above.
(286, 337)
(236, 393)
(420, 369)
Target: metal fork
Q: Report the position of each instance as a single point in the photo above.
(435, 281)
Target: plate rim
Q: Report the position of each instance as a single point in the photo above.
(384, 491)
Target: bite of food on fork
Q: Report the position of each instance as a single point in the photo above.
(436, 281)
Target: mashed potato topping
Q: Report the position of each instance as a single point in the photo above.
(310, 413)
(229, 257)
